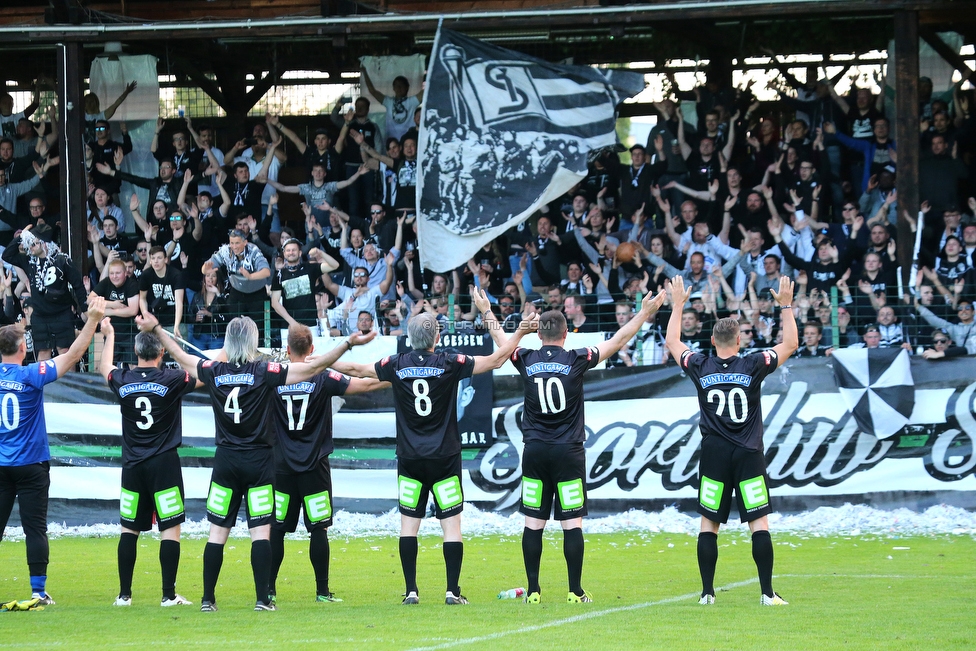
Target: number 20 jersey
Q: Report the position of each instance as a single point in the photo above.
(553, 381)
(729, 394)
(425, 394)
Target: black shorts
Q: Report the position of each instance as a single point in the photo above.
(53, 331)
(237, 473)
(551, 471)
(309, 491)
(153, 485)
(725, 466)
(418, 477)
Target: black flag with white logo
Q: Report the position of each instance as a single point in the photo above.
(502, 134)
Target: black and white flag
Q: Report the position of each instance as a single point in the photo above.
(502, 134)
(877, 386)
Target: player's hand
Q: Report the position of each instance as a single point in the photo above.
(651, 304)
(359, 338)
(480, 300)
(679, 295)
(106, 325)
(528, 325)
(147, 322)
(785, 294)
(96, 308)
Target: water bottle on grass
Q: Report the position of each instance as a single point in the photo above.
(514, 593)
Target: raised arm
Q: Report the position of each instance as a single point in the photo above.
(114, 106)
(485, 363)
(730, 145)
(649, 307)
(791, 339)
(352, 179)
(679, 296)
(685, 147)
(364, 76)
(106, 364)
(301, 371)
(149, 323)
(66, 362)
(291, 135)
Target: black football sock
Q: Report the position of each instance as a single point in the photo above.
(261, 567)
(453, 555)
(127, 562)
(277, 556)
(408, 561)
(532, 556)
(707, 558)
(169, 565)
(213, 558)
(762, 553)
(318, 553)
(573, 551)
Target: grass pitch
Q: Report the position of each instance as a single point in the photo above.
(845, 593)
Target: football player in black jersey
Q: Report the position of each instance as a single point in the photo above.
(240, 390)
(151, 399)
(731, 424)
(428, 445)
(302, 415)
(553, 460)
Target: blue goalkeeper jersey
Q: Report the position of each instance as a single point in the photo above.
(23, 433)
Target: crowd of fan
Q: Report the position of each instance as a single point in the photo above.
(728, 192)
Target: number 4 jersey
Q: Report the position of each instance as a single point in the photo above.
(729, 393)
(151, 400)
(425, 393)
(240, 395)
(553, 380)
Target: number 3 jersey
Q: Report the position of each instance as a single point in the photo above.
(553, 380)
(302, 415)
(729, 393)
(425, 394)
(151, 400)
(240, 396)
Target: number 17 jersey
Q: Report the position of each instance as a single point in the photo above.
(425, 394)
(553, 381)
(729, 394)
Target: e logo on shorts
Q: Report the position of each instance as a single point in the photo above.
(409, 491)
(318, 507)
(281, 505)
(260, 501)
(168, 503)
(448, 493)
(710, 493)
(532, 493)
(128, 504)
(754, 494)
(571, 494)
(218, 502)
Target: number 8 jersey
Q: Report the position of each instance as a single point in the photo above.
(729, 394)
(425, 394)
(553, 380)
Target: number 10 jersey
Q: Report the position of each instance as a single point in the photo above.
(553, 381)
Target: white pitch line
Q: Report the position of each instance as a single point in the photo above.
(577, 618)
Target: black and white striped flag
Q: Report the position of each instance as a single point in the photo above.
(502, 134)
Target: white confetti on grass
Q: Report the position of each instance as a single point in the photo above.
(847, 520)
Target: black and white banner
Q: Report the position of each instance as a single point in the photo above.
(502, 134)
